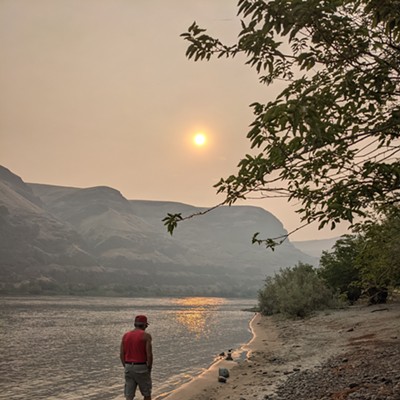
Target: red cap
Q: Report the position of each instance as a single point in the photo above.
(141, 319)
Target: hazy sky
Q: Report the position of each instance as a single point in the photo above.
(99, 92)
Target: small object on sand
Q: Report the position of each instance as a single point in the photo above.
(222, 354)
(223, 372)
(229, 355)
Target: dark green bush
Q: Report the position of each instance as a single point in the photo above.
(339, 267)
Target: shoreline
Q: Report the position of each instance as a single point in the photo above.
(208, 379)
(283, 353)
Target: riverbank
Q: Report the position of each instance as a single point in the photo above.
(344, 354)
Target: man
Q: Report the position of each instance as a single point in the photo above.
(136, 355)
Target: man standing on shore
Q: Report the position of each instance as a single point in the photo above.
(136, 356)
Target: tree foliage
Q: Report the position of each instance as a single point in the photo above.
(330, 140)
(296, 292)
(368, 262)
(339, 268)
(379, 257)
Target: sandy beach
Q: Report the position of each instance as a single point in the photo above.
(352, 353)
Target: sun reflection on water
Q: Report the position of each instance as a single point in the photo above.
(195, 315)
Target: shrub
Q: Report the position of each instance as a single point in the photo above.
(296, 292)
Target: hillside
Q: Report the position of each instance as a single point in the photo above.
(32, 241)
(315, 248)
(93, 240)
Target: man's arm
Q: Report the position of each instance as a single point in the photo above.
(121, 352)
(149, 351)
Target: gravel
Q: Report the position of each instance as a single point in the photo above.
(363, 373)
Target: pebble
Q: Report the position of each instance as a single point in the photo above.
(368, 374)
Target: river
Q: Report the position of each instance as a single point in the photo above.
(68, 347)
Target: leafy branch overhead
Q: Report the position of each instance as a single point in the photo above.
(330, 140)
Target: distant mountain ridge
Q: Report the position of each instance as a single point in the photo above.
(315, 248)
(58, 239)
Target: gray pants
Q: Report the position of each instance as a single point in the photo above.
(137, 375)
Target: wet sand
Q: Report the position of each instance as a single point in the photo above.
(281, 348)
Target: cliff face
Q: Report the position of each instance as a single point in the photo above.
(93, 240)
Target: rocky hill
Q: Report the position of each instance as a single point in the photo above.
(94, 241)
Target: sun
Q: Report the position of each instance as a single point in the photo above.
(199, 139)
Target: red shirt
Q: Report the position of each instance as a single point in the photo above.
(134, 346)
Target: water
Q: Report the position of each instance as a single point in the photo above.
(68, 347)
